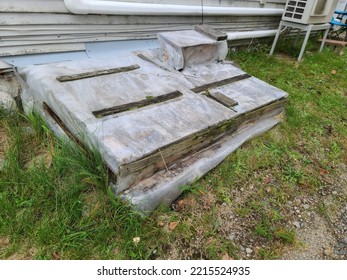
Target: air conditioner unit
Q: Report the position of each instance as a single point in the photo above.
(309, 11)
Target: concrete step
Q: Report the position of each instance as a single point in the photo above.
(156, 128)
(181, 49)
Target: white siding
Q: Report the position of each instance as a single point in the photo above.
(38, 26)
(342, 4)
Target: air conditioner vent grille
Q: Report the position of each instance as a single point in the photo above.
(309, 11)
(295, 9)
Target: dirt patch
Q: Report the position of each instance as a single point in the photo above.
(4, 241)
(23, 253)
(313, 225)
(287, 58)
(29, 254)
(4, 141)
(4, 145)
(313, 242)
(91, 204)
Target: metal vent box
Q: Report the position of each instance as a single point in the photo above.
(309, 11)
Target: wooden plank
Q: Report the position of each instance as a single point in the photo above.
(153, 162)
(138, 104)
(179, 149)
(58, 120)
(69, 78)
(220, 83)
(334, 42)
(148, 59)
(210, 32)
(261, 111)
(223, 99)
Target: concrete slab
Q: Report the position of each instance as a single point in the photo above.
(159, 128)
(185, 48)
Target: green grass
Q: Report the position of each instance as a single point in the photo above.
(59, 206)
(63, 207)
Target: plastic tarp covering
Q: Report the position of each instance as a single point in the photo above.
(156, 148)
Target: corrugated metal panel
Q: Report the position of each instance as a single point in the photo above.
(34, 26)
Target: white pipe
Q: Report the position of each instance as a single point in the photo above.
(250, 34)
(147, 9)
